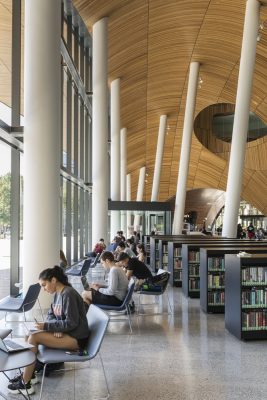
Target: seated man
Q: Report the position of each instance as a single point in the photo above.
(115, 292)
(122, 248)
(134, 267)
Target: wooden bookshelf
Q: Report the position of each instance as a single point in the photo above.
(246, 296)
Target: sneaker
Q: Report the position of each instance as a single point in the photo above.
(34, 379)
(131, 308)
(38, 367)
(54, 367)
(21, 388)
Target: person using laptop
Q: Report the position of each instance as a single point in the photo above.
(66, 326)
(116, 290)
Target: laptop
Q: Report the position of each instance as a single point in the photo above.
(12, 346)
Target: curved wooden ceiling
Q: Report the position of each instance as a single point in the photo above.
(151, 43)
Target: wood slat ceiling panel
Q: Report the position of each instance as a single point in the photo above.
(207, 169)
(150, 47)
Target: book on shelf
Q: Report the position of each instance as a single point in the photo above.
(177, 264)
(177, 275)
(216, 263)
(216, 281)
(165, 248)
(257, 275)
(254, 320)
(177, 252)
(193, 256)
(194, 270)
(254, 297)
(216, 298)
(194, 284)
(165, 258)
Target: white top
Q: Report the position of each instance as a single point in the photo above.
(117, 283)
(129, 252)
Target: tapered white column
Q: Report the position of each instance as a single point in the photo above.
(123, 177)
(159, 155)
(128, 198)
(185, 148)
(100, 132)
(139, 196)
(115, 154)
(241, 118)
(42, 94)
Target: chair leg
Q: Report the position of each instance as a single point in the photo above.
(24, 315)
(129, 318)
(170, 307)
(104, 372)
(42, 383)
(139, 302)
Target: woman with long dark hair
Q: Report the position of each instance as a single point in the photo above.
(66, 325)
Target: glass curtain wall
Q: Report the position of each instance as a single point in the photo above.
(75, 140)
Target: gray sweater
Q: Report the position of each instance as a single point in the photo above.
(67, 314)
(117, 283)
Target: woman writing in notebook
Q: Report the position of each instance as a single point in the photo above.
(66, 325)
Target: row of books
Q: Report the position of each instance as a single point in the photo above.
(193, 256)
(194, 270)
(178, 275)
(254, 274)
(194, 284)
(165, 258)
(254, 320)
(216, 263)
(177, 264)
(254, 297)
(216, 298)
(216, 281)
(165, 248)
(177, 252)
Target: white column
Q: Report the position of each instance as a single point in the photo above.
(139, 196)
(185, 148)
(123, 177)
(159, 155)
(100, 132)
(42, 94)
(115, 154)
(128, 198)
(241, 118)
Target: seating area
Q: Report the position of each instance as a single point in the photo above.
(190, 352)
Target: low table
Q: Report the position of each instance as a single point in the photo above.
(18, 360)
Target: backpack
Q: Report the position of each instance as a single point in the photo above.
(157, 283)
(160, 279)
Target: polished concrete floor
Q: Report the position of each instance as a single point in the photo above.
(185, 356)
